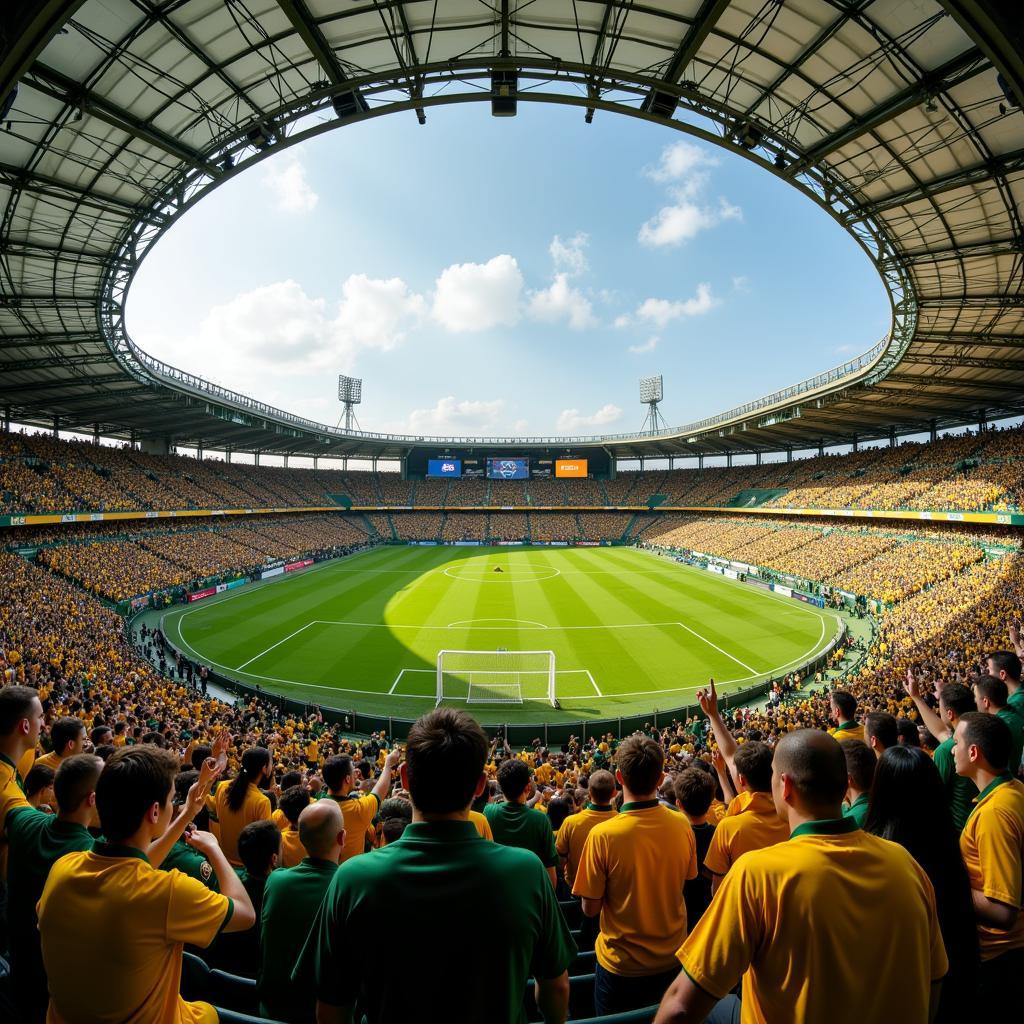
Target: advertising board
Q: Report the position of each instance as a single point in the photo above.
(444, 467)
(571, 467)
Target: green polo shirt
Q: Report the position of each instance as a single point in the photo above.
(1016, 723)
(858, 810)
(522, 826)
(1016, 700)
(190, 862)
(960, 791)
(291, 899)
(481, 919)
(37, 841)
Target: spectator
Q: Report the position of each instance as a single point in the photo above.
(101, 735)
(632, 872)
(259, 846)
(515, 824)
(182, 856)
(992, 844)
(1006, 665)
(294, 801)
(842, 709)
(234, 806)
(990, 696)
(830, 881)
(358, 811)
(142, 915)
(572, 836)
(954, 702)
(39, 787)
(695, 789)
(907, 732)
(860, 772)
(395, 816)
(37, 841)
(290, 902)
(880, 731)
(67, 738)
(443, 881)
(21, 720)
(909, 807)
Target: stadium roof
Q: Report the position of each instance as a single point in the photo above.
(901, 119)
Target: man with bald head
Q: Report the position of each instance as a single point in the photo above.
(290, 902)
(834, 924)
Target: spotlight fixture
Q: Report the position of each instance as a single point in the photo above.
(504, 86)
(931, 107)
(261, 136)
(748, 135)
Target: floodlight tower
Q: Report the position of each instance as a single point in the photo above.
(350, 394)
(652, 391)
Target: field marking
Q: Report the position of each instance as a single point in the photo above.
(414, 625)
(597, 689)
(471, 624)
(505, 572)
(272, 646)
(716, 647)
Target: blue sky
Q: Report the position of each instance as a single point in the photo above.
(501, 276)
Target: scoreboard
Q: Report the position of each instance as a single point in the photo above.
(444, 467)
(508, 469)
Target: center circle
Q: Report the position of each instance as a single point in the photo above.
(511, 575)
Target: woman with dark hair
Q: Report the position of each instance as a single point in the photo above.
(241, 802)
(909, 806)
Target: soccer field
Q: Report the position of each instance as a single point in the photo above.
(630, 632)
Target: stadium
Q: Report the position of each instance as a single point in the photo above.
(263, 675)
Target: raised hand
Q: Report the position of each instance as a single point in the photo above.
(708, 699)
(912, 685)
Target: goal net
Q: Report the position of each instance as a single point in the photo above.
(496, 677)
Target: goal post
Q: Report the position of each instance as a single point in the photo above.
(496, 677)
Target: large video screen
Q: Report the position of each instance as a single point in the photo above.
(444, 467)
(508, 469)
(570, 467)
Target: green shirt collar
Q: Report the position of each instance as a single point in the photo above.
(845, 725)
(826, 827)
(862, 799)
(438, 832)
(599, 807)
(6, 760)
(105, 849)
(998, 781)
(320, 863)
(639, 805)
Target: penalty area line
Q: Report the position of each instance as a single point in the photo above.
(717, 648)
(272, 646)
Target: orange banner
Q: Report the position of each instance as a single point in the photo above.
(570, 467)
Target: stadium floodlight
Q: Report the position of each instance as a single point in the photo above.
(652, 391)
(350, 390)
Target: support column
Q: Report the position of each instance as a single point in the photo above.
(855, 447)
(256, 458)
(56, 426)
(96, 433)
(933, 430)
(728, 459)
(227, 455)
(316, 460)
(7, 419)
(286, 460)
(821, 447)
(671, 463)
(892, 437)
(789, 454)
(982, 421)
(700, 461)
(199, 451)
(758, 457)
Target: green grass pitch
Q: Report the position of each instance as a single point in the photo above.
(631, 632)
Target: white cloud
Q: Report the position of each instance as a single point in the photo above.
(376, 313)
(286, 179)
(279, 327)
(478, 296)
(560, 301)
(648, 346)
(622, 320)
(741, 283)
(570, 257)
(662, 312)
(520, 427)
(678, 160)
(449, 416)
(571, 421)
(682, 220)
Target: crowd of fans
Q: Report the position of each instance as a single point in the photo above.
(970, 471)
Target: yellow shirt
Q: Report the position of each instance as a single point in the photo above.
(992, 844)
(750, 823)
(358, 812)
(50, 760)
(112, 929)
(280, 819)
(716, 812)
(228, 824)
(483, 826)
(805, 917)
(25, 764)
(636, 863)
(848, 731)
(572, 836)
(11, 795)
(292, 850)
